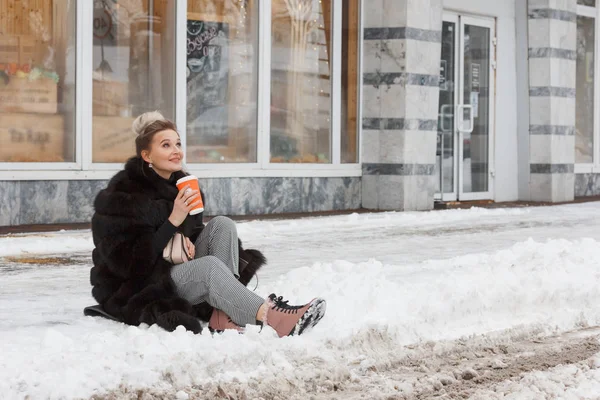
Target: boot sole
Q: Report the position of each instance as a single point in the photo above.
(310, 318)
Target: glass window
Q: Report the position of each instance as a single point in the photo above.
(584, 126)
(37, 78)
(301, 81)
(222, 80)
(591, 3)
(350, 63)
(133, 71)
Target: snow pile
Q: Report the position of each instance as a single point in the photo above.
(554, 284)
(374, 309)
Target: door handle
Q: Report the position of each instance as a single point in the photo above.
(445, 115)
(461, 115)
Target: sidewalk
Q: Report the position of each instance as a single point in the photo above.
(6, 230)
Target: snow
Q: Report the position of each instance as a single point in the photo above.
(392, 281)
(564, 382)
(46, 243)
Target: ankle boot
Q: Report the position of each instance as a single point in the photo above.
(219, 321)
(290, 320)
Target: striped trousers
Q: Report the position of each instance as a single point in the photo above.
(211, 275)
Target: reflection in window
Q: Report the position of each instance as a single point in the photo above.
(222, 54)
(37, 76)
(133, 70)
(350, 63)
(301, 81)
(584, 126)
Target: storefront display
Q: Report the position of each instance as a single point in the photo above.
(133, 61)
(207, 76)
(221, 82)
(301, 81)
(35, 103)
(133, 71)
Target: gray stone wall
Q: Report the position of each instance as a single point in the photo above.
(552, 72)
(52, 202)
(587, 185)
(401, 66)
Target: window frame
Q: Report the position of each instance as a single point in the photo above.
(594, 166)
(85, 169)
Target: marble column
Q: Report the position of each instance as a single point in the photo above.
(552, 72)
(401, 67)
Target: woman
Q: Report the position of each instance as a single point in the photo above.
(136, 216)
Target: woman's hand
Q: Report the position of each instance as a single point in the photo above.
(190, 247)
(184, 202)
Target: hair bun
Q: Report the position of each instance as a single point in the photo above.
(145, 119)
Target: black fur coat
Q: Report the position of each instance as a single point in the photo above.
(129, 279)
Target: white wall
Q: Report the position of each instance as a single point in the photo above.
(506, 150)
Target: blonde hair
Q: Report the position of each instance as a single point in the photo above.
(146, 126)
(140, 124)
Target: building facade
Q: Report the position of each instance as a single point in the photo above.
(301, 105)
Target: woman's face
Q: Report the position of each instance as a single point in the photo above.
(165, 153)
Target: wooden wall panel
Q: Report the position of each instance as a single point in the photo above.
(35, 25)
(3, 15)
(206, 6)
(351, 61)
(16, 16)
(160, 8)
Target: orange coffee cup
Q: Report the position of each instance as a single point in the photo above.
(192, 182)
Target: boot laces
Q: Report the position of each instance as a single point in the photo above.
(229, 319)
(282, 305)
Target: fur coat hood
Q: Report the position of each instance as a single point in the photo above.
(129, 279)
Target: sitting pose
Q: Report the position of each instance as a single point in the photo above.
(135, 218)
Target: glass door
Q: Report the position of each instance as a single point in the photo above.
(446, 141)
(475, 109)
(465, 135)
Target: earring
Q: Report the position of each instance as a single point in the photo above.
(150, 165)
